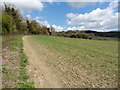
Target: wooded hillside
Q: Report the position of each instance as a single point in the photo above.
(14, 23)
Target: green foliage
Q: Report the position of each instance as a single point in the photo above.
(23, 75)
(25, 85)
(33, 27)
(23, 58)
(84, 35)
(15, 75)
(13, 22)
(4, 70)
(45, 31)
(7, 23)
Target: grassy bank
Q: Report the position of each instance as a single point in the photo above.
(14, 63)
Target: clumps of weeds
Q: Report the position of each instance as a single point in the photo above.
(23, 64)
(25, 85)
(23, 74)
(15, 62)
(4, 70)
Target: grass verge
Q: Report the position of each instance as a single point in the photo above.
(14, 63)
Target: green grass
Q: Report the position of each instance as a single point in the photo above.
(23, 64)
(99, 56)
(25, 85)
(96, 47)
(15, 45)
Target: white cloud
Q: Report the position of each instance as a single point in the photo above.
(79, 4)
(71, 15)
(45, 23)
(75, 28)
(26, 5)
(99, 19)
(58, 28)
(50, 1)
(83, 3)
(114, 4)
(28, 16)
(38, 17)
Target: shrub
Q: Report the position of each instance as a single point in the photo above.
(84, 35)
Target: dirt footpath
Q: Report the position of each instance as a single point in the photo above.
(50, 68)
(39, 71)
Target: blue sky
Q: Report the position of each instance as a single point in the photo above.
(98, 16)
(55, 13)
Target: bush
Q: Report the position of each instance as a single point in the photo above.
(84, 35)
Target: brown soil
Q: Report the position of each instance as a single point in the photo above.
(10, 64)
(39, 71)
(48, 69)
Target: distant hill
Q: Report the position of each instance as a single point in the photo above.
(105, 34)
(89, 34)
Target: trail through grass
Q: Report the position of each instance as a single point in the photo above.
(97, 59)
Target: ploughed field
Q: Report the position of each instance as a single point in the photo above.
(70, 62)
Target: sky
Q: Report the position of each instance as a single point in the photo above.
(71, 15)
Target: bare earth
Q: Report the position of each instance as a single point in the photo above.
(48, 69)
(40, 73)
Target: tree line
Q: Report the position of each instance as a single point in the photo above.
(14, 23)
(88, 34)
